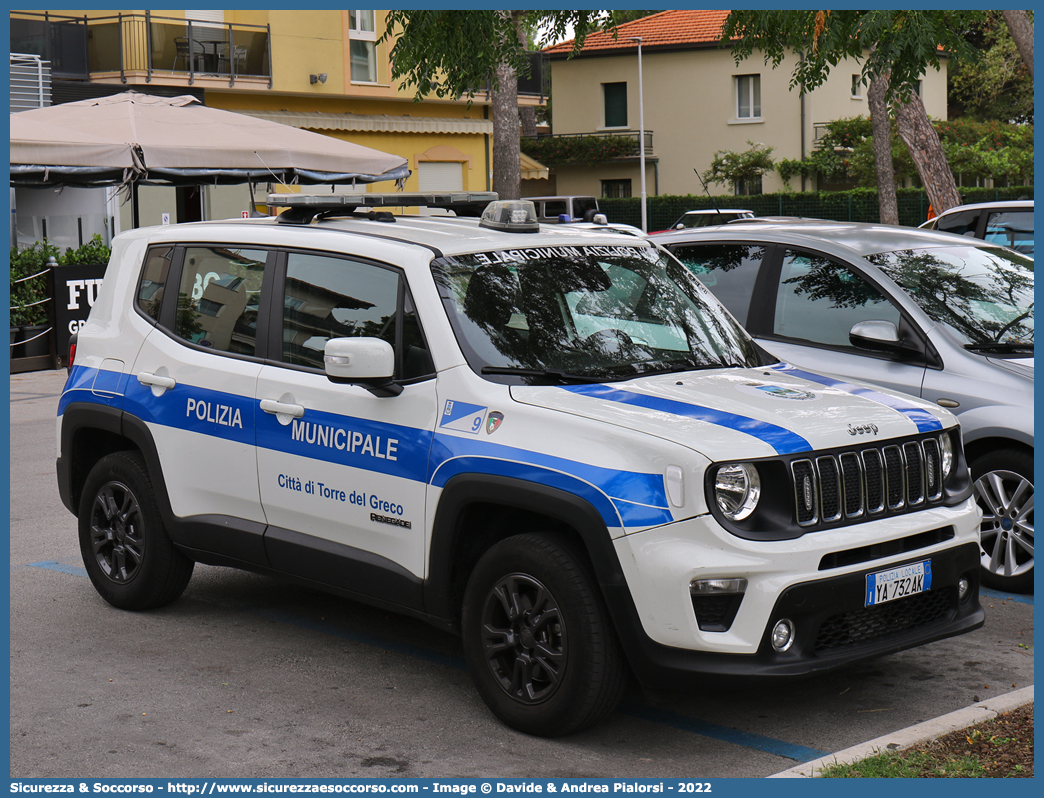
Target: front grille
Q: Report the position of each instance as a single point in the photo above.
(871, 623)
(873, 481)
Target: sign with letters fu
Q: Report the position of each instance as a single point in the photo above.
(76, 290)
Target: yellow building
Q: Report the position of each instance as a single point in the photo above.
(322, 70)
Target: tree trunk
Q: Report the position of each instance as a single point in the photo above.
(882, 127)
(1022, 32)
(920, 138)
(507, 179)
(527, 112)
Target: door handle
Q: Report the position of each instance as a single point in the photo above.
(282, 408)
(155, 380)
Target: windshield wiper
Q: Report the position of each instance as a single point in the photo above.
(692, 367)
(997, 346)
(562, 376)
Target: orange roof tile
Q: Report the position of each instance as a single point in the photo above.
(668, 28)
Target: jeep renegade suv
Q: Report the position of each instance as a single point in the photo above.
(554, 442)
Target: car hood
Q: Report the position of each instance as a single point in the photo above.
(740, 413)
(1020, 365)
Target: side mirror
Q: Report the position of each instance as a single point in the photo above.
(369, 362)
(876, 335)
(600, 218)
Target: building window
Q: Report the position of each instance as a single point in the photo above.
(746, 188)
(362, 36)
(748, 96)
(616, 188)
(615, 95)
(857, 87)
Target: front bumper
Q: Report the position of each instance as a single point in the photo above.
(797, 580)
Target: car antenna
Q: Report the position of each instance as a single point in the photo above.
(713, 203)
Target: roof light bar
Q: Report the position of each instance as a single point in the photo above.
(302, 208)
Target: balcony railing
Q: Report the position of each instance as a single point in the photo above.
(591, 147)
(80, 46)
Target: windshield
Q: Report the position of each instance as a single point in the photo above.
(709, 219)
(981, 295)
(585, 313)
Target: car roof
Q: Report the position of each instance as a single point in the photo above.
(978, 206)
(717, 210)
(859, 238)
(449, 235)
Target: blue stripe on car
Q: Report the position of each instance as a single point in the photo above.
(782, 440)
(925, 421)
(621, 497)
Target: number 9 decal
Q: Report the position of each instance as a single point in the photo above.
(476, 424)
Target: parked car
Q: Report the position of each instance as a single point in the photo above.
(556, 443)
(601, 225)
(550, 210)
(931, 314)
(1008, 223)
(708, 217)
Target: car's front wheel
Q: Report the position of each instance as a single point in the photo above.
(1004, 490)
(537, 639)
(128, 555)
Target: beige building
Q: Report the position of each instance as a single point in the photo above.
(697, 101)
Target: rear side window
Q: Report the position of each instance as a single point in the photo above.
(153, 279)
(962, 223)
(728, 270)
(219, 297)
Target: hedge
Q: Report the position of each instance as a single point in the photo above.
(857, 205)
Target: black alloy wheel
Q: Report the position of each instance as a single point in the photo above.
(537, 637)
(524, 638)
(126, 550)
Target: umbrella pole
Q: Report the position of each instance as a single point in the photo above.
(135, 217)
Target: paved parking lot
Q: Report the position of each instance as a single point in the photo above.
(249, 676)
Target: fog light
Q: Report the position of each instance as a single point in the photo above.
(963, 589)
(703, 587)
(782, 635)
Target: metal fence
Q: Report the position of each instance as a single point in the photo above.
(860, 205)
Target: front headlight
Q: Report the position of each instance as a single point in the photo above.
(737, 489)
(946, 454)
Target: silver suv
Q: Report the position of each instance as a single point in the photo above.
(942, 317)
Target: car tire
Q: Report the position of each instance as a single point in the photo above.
(1004, 491)
(537, 638)
(129, 556)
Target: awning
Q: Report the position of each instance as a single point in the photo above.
(374, 123)
(531, 169)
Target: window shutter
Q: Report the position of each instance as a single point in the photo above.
(615, 104)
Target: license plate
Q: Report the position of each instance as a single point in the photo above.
(896, 583)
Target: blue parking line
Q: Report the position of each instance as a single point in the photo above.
(50, 565)
(769, 745)
(1018, 598)
(799, 753)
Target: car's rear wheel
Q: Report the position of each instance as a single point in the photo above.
(1004, 490)
(128, 554)
(537, 639)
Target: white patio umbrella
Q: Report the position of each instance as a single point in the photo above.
(179, 141)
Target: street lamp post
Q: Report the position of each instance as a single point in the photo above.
(641, 133)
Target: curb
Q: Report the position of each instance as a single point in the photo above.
(905, 738)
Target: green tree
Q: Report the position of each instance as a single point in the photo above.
(453, 54)
(1000, 86)
(897, 45)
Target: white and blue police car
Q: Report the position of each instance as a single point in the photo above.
(554, 442)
